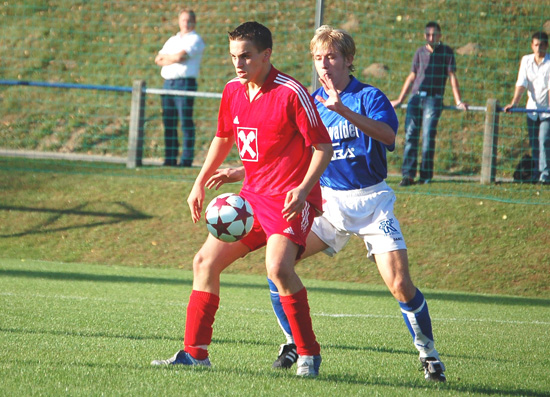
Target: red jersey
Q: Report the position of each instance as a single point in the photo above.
(274, 133)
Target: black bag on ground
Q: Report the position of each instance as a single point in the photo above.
(524, 169)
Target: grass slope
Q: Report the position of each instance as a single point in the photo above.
(114, 43)
(80, 329)
(140, 218)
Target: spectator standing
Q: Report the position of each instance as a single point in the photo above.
(533, 77)
(432, 64)
(180, 59)
(274, 122)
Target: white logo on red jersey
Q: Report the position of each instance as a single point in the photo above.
(289, 230)
(236, 120)
(247, 143)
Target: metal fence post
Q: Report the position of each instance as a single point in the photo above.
(137, 120)
(319, 15)
(490, 141)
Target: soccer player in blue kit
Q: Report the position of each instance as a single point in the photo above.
(356, 199)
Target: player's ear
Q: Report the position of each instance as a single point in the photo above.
(349, 61)
(267, 54)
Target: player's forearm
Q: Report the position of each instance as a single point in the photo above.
(319, 162)
(219, 149)
(377, 130)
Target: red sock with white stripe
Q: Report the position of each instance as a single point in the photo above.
(296, 308)
(201, 311)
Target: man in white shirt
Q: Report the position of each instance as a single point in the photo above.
(180, 58)
(533, 77)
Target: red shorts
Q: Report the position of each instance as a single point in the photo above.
(268, 220)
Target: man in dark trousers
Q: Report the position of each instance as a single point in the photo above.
(431, 66)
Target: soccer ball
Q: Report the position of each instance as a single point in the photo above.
(229, 217)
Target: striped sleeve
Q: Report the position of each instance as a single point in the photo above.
(306, 115)
(303, 96)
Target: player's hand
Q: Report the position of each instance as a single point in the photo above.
(225, 175)
(294, 204)
(508, 107)
(463, 106)
(195, 201)
(333, 102)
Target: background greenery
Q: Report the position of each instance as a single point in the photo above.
(76, 322)
(114, 43)
(140, 218)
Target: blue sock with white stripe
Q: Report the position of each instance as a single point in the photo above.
(279, 312)
(417, 317)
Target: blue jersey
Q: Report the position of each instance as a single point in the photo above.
(358, 161)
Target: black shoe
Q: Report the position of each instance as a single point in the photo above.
(170, 163)
(424, 181)
(287, 356)
(185, 164)
(406, 181)
(544, 183)
(433, 369)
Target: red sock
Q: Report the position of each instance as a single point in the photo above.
(201, 310)
(296, 309)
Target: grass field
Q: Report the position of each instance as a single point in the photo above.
(116, 216)
(114, 43)
(77, 329)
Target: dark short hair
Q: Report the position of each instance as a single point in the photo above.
(542, 36)
(255, 32)
(191, 13)
(433, 24)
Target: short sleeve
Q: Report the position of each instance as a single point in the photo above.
(522, 74)
(225, 123)
(379, 108)
(308, 120)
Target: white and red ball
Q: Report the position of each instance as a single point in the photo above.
(229, 217)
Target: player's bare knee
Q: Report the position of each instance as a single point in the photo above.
(279, 274)
(402, 289)
(200, 264)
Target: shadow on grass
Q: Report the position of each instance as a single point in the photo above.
(87, 334)
(458, 385)
(129, 213)
(454, 386)
(444, 296)
(331, 380)
(99, 278)
(177, 339)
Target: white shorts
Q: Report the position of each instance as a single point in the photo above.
(366, 213)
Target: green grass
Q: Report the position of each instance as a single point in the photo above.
(111, 215)
(114, 43)
(71, 326)
(78, 329)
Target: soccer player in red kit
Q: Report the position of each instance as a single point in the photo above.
(274, 122)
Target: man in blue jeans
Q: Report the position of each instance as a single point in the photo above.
(534, 77)
(431, 66)
(180, 58)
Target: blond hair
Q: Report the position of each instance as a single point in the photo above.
(327, 37)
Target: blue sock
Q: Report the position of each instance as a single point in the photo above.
(417, 317)
(279, 312)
